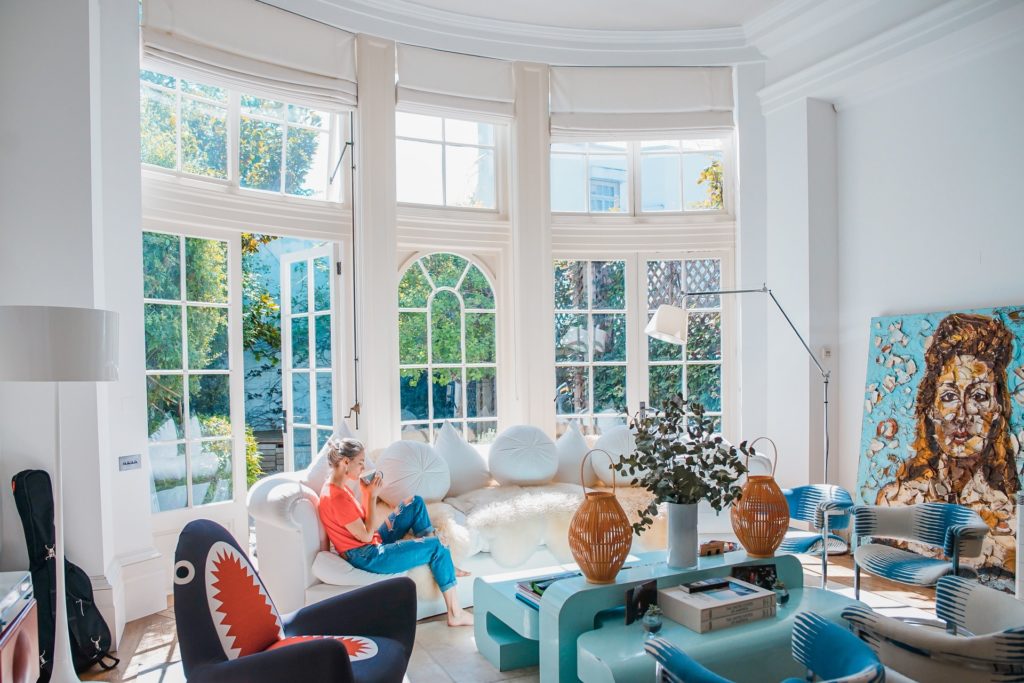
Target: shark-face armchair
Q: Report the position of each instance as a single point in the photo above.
(230, 632)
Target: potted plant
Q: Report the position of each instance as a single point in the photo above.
(681, 460)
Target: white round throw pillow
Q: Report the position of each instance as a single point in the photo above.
(411, 469)
(467, 467)
(571, 447)
(618, 441)
(523, 455)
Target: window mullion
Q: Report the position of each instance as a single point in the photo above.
(234, 133)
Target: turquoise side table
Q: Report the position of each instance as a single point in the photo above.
(512, 635)
(755, 652)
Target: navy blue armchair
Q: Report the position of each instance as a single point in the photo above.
(230, 632)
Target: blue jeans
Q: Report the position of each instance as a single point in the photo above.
(394, 555)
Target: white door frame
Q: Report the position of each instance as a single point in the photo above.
(331, 252)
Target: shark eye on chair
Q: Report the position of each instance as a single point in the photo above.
(184, 572)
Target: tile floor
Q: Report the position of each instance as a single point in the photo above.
(149, 648)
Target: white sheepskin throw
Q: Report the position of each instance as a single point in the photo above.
(523, 454)
(571, 448)
(512, 521)
(467, 467)
(411, 468)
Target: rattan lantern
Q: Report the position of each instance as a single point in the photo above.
(599, 534)
(760, 517)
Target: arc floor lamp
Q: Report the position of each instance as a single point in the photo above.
(669, 324)
(58, 344)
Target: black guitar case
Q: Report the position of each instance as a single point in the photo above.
(90, 636)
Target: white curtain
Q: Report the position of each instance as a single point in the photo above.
(628, 103)
(449, 84)
(251, 47)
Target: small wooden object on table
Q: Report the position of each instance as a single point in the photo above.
(19, 630)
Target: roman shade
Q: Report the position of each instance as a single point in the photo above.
(251, 47)
(634, 103)
(446, 83)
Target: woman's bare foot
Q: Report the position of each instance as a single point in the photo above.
(462, 572)
(460, 619)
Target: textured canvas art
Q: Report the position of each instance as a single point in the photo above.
(944, 420)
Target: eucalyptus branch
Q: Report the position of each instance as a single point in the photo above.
(680, 459)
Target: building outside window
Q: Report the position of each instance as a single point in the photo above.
(672, 176)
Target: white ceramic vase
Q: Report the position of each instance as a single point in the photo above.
(682, 535)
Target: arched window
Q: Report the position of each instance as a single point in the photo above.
(446, 330)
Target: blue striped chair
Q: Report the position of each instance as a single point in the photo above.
(957, 530)
(828, 651)
(826, 508)
(992, 621)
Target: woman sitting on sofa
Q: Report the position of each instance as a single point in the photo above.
(359, 537)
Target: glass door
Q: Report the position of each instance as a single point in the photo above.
(194, 394)
(308, 340)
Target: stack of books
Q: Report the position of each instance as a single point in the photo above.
(711, 605)
(530, 591)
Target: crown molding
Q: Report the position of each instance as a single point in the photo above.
(867, 66)
(414, 24)
(775, 19)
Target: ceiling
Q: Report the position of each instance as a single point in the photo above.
(606, 14)
(567, 32)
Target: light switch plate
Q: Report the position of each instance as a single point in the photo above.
(129, 462)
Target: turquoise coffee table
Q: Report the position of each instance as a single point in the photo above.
(512, 635)
(758, 651)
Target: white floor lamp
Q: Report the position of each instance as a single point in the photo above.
(669, 324)
(58, 344)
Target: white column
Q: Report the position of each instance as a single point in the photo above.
(69, 223)
(531, 271)
(376, 238)
(801, 269)
(751, 196)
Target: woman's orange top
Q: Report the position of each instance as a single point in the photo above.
(338, 508)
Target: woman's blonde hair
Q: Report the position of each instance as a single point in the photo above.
(343, 448)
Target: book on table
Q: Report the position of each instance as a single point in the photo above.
(531, 590)
(736, 603)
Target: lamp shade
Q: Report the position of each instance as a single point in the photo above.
(57, 344)
(668, 325)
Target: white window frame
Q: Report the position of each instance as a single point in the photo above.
(726, 310)
(416, 262)
(179, 95)
(589, 417)
(337, 192)
(236, 387)
(637, 372)
(635, 180)
(627, 194)
(499, 150)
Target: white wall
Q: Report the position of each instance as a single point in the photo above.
(69, 230)
(930, 209)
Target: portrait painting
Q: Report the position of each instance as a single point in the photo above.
(944, 421)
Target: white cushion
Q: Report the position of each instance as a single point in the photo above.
(523, 455)
(320, 470)
(410, 469)
(466, 465)
(571, 448)
(618, 441)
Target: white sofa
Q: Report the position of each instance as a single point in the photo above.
(491, 530)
